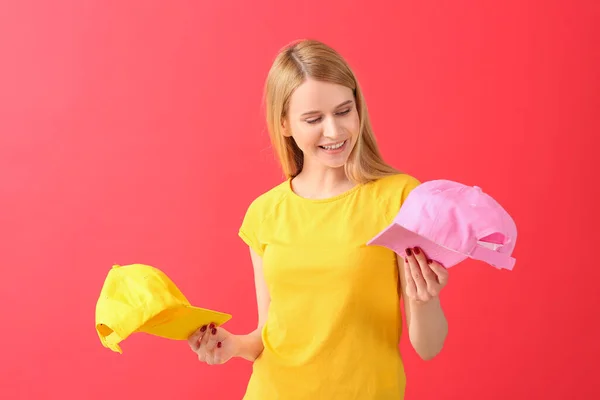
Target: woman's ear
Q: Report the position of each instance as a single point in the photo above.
(285, 129)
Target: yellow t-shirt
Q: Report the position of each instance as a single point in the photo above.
(334, 321)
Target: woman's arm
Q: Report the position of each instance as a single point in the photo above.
(250, 346)
(421, 283)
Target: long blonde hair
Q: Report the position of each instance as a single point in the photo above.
(295, 63)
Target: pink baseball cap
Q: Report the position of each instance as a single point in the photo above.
(451, 222)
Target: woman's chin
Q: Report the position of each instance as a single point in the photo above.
(334, 164)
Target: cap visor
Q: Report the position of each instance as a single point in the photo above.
(179, 323)
(397, 238)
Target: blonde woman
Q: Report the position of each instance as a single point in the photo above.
(329, 305)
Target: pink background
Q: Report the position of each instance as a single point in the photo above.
(133, 132)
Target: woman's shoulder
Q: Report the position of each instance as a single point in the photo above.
(390, 192)
(399, 184)
(257, 212)
(267, 200)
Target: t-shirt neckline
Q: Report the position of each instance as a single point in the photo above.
(342, 195)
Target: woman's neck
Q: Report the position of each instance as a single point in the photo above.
(321, 184)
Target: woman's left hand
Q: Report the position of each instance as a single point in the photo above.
(424, 278)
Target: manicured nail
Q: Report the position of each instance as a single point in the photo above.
(203, 328)
(211, 326)
(214, 331)
(408, 252)
(428, 261)
(219, 345)
(417, 251)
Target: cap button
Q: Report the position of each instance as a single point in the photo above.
(477, 188)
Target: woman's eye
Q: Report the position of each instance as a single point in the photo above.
(315, 120)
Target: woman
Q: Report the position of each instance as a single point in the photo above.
(329, 305)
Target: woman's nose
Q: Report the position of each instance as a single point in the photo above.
(331, 129)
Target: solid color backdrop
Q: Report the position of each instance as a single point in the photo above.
(133, 132)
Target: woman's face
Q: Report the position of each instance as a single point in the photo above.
(323, 120)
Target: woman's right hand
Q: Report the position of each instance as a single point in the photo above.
(213, 345)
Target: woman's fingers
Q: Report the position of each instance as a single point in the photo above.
(411, 288)
(203, 340)
(440, 272)
(417, 275)
(424, 278)
(194, 339)
(430, 277)
(210, 344)
(214, 337)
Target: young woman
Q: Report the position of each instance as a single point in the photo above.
(329, 305)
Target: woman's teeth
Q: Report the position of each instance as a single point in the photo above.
(335, 146)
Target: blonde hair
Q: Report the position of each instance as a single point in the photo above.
(292, 66)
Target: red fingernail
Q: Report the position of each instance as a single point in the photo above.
(408, 252)
(219, 345)
(203, 328)
(211, 326)
(428, 261)
(417, 250)
(214, 331)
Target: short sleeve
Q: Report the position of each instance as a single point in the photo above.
(396, 191)
(411, 183)
(249, 231)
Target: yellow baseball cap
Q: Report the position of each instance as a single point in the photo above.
(141, 298)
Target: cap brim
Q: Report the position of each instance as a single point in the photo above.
(179, 323)
(397, 238)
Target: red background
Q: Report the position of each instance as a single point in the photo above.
(133, 132)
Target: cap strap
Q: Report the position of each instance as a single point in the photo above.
(493, 257)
